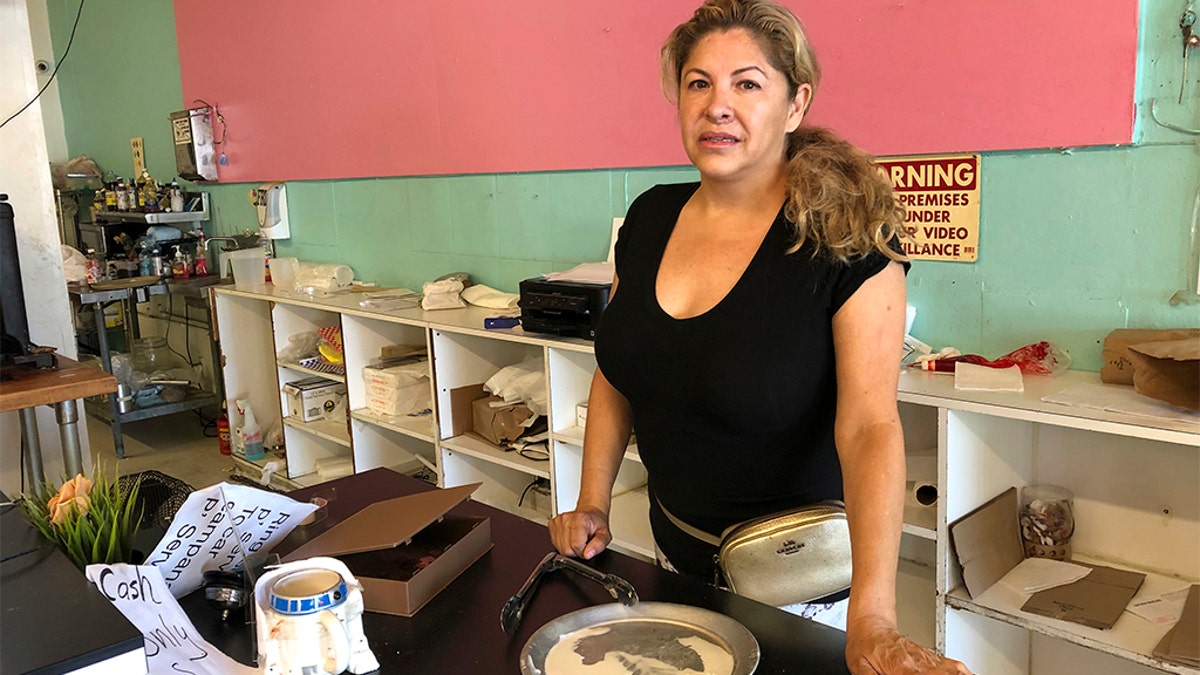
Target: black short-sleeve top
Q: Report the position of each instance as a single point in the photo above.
(733, 409)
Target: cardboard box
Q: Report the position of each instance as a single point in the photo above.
(499, 423)
(404, 551)
(1118, 368)
(1181, 644)
(313, 398)
(987, 542)
(1096, 600)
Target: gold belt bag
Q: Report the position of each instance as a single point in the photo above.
(784, 558)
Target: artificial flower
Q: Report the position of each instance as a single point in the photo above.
(71, 497)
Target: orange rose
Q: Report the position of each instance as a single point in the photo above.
(71, 497)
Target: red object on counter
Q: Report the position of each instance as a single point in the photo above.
(1039, 358)
(946, 364)
(223, 437)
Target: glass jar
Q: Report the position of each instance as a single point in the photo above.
(1047, 521)
(156, 361)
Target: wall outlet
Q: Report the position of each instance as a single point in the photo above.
(139, 156)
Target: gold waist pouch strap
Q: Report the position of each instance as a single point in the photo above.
(784, 558)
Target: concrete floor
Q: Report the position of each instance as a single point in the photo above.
(173, 444)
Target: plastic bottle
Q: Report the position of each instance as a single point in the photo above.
(92, 266)
(200, 267)
(223, 436)
(122, 196)
(180, 269)
(158, 265)
(176, 198)
(251, 434)
(265, 244)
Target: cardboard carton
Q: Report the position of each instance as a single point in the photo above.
(987, 542)
(1181, 644)
(404, 550)
(1096, 600)
(468, 414)
(313, 398)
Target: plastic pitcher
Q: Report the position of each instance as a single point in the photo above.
(249, 267)
(283, 272)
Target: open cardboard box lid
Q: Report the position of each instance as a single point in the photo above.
(384, 524)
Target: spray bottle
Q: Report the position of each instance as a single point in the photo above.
(251, 434)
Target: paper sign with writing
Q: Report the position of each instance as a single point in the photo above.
(941, 196)
(173, 645)
(217, 526)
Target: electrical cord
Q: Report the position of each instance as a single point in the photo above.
(526, 491)
(167, 332)
(58, 65)
(535, 452)
(208, 425)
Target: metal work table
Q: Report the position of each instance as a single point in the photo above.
(24, 389)
(129, 295)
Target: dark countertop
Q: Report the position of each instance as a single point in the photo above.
(459, 630)
(52, 619)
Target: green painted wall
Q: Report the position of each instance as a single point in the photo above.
(1073, 243)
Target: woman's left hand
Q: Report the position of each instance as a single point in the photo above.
(875, 647)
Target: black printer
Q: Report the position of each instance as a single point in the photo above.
(562, 307)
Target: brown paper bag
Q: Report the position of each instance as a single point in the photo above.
(1117, 368)
(1168, 371)
(499, 424)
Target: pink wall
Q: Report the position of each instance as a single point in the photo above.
(315, 89)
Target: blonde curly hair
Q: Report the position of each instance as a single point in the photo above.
(836, 196)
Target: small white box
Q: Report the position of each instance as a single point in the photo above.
(581, 415)
(313, 398)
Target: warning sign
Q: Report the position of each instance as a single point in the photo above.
(941, 197)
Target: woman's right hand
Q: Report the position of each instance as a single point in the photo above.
(581, 533)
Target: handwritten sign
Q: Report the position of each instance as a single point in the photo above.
(941, 195)
(173, 645)
(217, 526)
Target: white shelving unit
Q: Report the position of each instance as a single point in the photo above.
(1136, 480)
(1137, 506)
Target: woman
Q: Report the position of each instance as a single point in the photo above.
(755, 336)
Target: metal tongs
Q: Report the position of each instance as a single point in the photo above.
(510, 615)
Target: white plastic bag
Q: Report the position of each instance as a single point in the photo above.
(442, 294)
(74, 263)
(524, 382)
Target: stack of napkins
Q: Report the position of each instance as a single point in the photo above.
(1181, 644)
